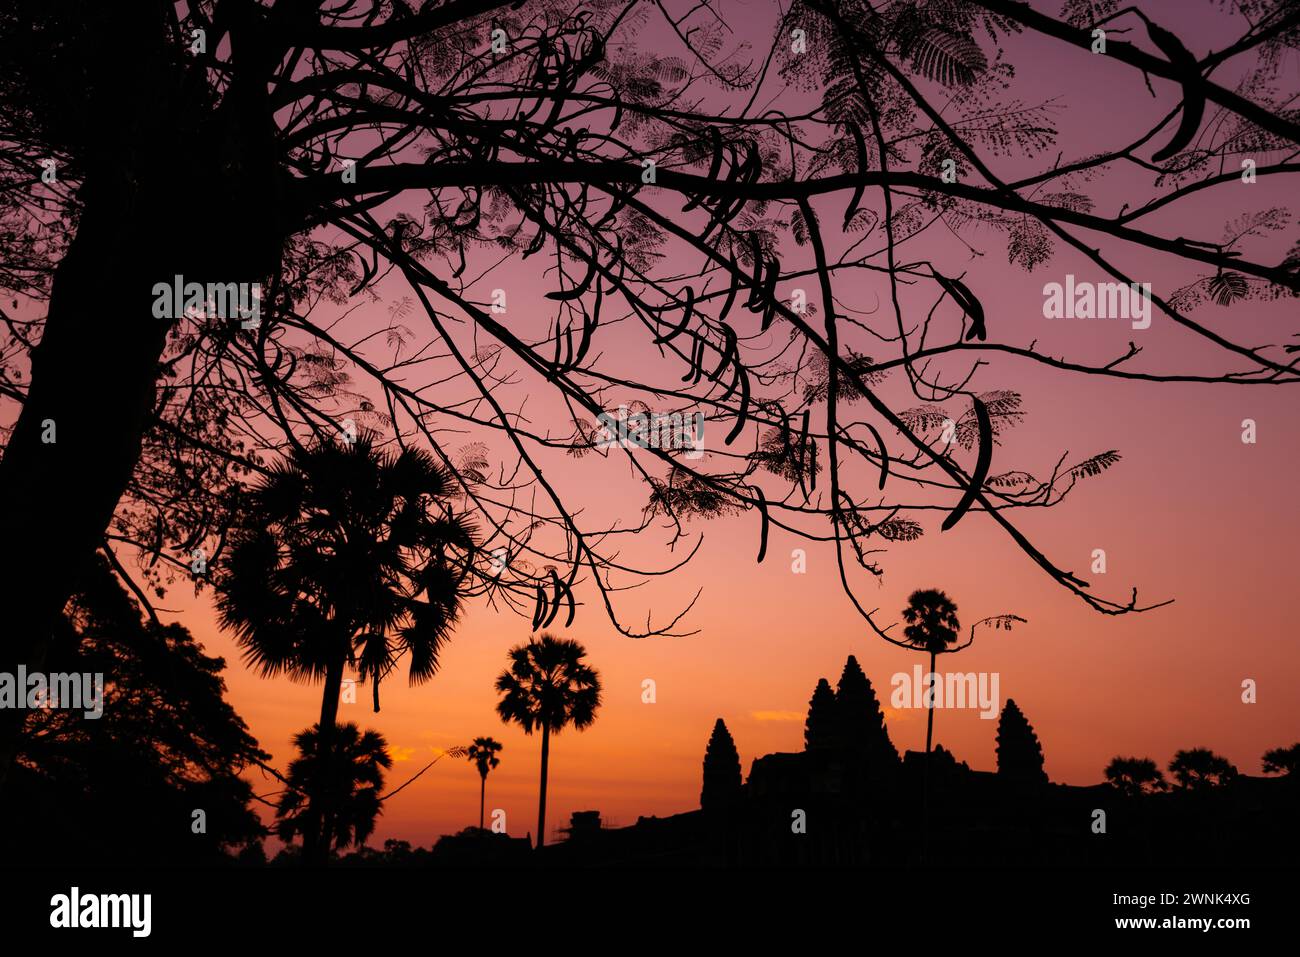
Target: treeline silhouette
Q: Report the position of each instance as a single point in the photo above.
(125, 788)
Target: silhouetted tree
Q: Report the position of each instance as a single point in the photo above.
(483, 753)
(1198, 769)
(1020, 757)
(932, 626)
(821, 730)
(345, 554)
(548, 686)
(397, 851)
(1282, 760)
(721, 770)
(859, 718)
(1135, 776)
(346, 780)
(123, 786)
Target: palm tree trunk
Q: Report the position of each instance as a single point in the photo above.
(929, 721)
(316, 839)
(482, 796)
(541, 803)
(925, 780)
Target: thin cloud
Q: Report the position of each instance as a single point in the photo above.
(776, 715)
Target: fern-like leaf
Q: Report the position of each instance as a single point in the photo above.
(947, 58)
(1095, 465)
(1227, 287)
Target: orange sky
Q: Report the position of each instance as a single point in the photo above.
(1191, 513)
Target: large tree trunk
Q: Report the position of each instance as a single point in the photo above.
(171, 186)
(482, 798)
(541, 801)
(78, 437)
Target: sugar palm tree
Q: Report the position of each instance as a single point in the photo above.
(548, 686)
(348, 778)
(1283, 761)
(932, 626)
(483, 752)
(1200, 768)
(1134, 777)
(345, 555)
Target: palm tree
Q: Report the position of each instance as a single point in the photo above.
(1198, 769)
(347, 779)
(1283, 761)
(932, 626)
(345, 555)
(483, 752)
(548, 686)
(1134, 777)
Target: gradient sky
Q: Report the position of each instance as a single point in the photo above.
(1190, 513)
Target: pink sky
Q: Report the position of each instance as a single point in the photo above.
(1191, 513)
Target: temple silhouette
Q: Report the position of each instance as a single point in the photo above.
(849, 798)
